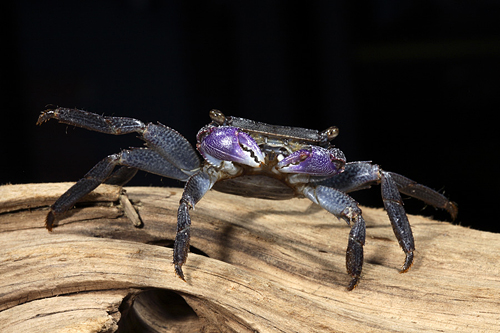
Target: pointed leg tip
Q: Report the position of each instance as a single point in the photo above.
(49, 220)
(452, 209)
(353, 284)
(408, 263)
(179, 272)
(45, 116)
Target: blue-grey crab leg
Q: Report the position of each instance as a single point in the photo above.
(84, 186)
(166, 141)
(194, 190)
(92, 121)
(168, 154)
(356, 176)
(144, 159)
(362, 175)
(400, 225)
(121, 176)
(343, 207)
(425, 194)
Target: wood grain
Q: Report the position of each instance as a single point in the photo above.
(255, 266)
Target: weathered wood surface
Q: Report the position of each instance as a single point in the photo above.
(265, 266)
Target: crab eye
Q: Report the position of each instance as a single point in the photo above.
(217, 116)
(331, 132)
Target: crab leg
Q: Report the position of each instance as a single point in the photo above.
(356, 176)
(139, 158)
(361, 175)
(194, 190)
(354, 252)
(400, 225)
(424, 193)
(166, 141)
(84, 186)
(168, 154)
(343, 206)
(121, 176)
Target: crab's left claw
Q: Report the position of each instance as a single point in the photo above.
(227, 143)
(314, 161)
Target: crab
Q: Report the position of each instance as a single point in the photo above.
(253, 159)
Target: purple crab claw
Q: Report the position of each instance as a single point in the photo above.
(226, 143)
(315, 161)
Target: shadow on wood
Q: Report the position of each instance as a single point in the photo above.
(255, 265)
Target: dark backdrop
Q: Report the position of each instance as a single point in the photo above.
(413, 85)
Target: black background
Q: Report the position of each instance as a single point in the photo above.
(412, 85)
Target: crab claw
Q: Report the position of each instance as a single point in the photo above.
(315, 161)
(225, 143)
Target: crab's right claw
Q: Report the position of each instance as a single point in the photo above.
(227, 143)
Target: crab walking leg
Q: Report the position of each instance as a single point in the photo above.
(361, 175)
(139, 158)
(400, 225)
(354, 252)
(424, 193)
(121, 176)
(166, 141)
(84, 186)
(356, 176)
(343, 206)
(92, 121)
(194, 190)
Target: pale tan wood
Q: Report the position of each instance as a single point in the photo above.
(25, 196)
(85, 312)
(270, 266)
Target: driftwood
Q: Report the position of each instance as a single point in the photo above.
(255, 266)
